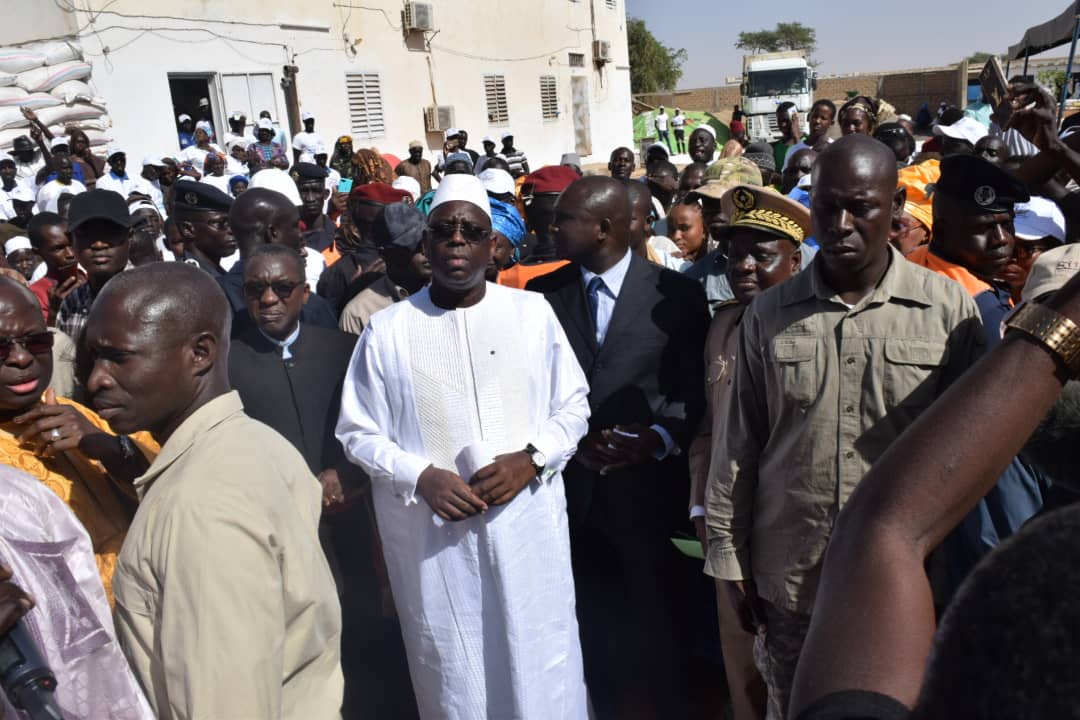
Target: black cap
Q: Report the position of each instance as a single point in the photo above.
(98, 205)
(193, 196)
(303, 171)
(399, 225)
(979, 184)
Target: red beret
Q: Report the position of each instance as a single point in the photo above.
(378, 193)
(550, 179)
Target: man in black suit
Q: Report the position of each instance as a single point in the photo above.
(289, 375)
(263, 216)
(639, 333)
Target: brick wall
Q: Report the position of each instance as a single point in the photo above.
(904, 90)
(908, 91)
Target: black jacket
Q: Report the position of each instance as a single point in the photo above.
(650, 370)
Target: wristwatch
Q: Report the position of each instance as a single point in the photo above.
(1058, 333)
(537, 458)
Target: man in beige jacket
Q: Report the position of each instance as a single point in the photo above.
(225, 606)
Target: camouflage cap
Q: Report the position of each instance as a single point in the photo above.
(724, 174)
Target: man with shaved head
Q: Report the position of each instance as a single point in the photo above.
(638, 332)
(262, 216)
(225, 605)
(832, 366)
(464, 443)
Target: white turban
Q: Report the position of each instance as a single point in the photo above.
(466, 188)
(409, 185)
(279, 181)
(17, 243)
(707, 128)
(497, 181)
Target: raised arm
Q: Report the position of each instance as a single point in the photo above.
(873, 622)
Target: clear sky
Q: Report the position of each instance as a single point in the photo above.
(852, 37)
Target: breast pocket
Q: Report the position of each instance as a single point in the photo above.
(795, 368)
(913, 371)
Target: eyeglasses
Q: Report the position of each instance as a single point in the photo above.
(283, 290)
(34, 343)
(472, 234)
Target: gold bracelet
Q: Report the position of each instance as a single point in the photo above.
(1058, 333)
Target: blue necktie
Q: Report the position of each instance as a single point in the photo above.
(596, 284)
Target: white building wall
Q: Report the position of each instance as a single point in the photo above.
(134, 45)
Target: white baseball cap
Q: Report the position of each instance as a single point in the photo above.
(264, 124)
(451, 132)
(57, 142)
(1039, 218)
(183, 117)
(1051, 270)
(965, 128)
(506, 135)
(114, 150)
(305, 116)
(152, 160)
(204, 102)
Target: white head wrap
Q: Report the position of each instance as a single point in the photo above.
(142, 205)
(497, 181)
(707, 128)
(17, 243)
(409, 185)
(278, 181)
(466, 188)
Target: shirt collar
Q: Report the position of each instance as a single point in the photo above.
(613, 277)
(199, 423)
(284, 344)
(112, 173)
(900, 281)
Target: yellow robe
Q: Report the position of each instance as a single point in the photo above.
(85, 486)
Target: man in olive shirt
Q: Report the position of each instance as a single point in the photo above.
(225, 606)
(832, 366)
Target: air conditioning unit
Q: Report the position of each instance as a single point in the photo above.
(419, 17)
(438, 118)
(601, 51)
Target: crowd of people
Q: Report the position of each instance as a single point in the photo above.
(338, 434)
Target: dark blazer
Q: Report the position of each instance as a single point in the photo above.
(301, 397)
(650, 370)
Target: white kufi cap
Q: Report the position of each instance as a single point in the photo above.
(17, 243)
(497, 181)
(409, 185)
(466, 188)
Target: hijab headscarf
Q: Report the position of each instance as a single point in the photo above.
(506, 219)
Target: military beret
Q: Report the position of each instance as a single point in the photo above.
(378, 193)
(307, 171)
(979, 184)
(200, 196)
(550, 179)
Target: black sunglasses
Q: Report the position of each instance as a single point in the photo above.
(34, 343)
(283, 290)
(472, 234)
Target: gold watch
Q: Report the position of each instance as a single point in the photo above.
(1058, 333)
